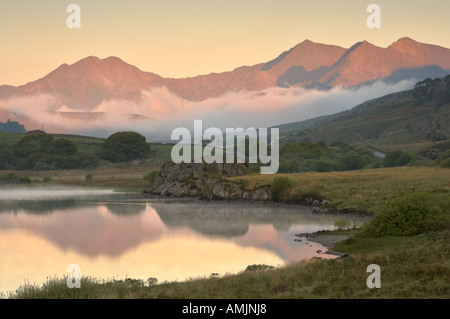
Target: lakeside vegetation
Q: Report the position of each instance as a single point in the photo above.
(359, 190)
(40, 151)
(414, 264)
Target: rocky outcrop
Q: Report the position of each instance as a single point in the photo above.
(208, 181)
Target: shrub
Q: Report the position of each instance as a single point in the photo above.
(89, 177)
(25, 179)
(410, 214)
(350, 162)
(152, 281)
(41, 166)
(256, 267)
(396, 158)
(11, 178)
(281, 186)
(446, 163)
(150, 177)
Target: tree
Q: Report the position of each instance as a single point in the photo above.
(396, 158)
(350, 162)
(64, 147)
(32, 144)
(6, 157)
(281, 186)
(124, 146)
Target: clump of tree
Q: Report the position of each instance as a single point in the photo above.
(317, 157)
(396, 158)
(44, 152)
(7, 160)
(124, 146)
(410, 214)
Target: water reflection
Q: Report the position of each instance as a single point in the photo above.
(118, 234)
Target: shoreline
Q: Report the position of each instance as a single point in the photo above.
(318, 237)
(316, 208)
(328, 241)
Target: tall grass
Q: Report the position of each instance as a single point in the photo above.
(362, 190)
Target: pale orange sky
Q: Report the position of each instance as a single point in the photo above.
(187, 38)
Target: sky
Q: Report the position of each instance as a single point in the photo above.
(175, 38)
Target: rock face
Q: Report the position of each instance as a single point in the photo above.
(208, 181)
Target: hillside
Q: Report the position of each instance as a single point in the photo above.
(418, 116)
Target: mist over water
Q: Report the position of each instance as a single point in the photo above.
(48, 193)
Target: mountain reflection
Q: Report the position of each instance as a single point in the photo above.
(126, 209)
(124, 235)
(234, 219)
(111, 228)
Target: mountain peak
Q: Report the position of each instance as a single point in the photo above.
(306, 41)
(308, 54)
(406, 40)
(90, 58)
(96, 60)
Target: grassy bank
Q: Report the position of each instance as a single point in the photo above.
(362, 190)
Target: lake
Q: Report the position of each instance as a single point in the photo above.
(118, 235)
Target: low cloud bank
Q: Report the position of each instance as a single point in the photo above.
(159, 111)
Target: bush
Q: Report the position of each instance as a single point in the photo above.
(446, 163)
(11, 178)
(89, 177)
(257, 267)
(396, 158)
(281, 186)
(410, 214)
(150, 177)
(41, 166)
(350, 162)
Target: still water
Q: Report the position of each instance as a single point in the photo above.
(118, 235)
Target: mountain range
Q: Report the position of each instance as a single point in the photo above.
(100, 96)
(84, 84)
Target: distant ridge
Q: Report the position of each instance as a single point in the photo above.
(418, 115)
(83, 86)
